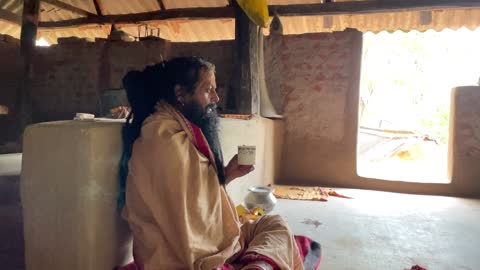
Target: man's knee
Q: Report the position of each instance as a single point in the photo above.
(275, 221)
(274, 218)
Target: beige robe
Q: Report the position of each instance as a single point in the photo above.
(179, 214)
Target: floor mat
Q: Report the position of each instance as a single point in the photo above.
(305, 193)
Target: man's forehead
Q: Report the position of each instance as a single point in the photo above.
(207, 77)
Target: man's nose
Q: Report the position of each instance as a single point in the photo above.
(215, 98)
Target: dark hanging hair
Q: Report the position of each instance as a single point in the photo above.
(144, 89)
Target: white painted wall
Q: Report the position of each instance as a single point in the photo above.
(267, 136)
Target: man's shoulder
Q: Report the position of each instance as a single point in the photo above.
(161, 125)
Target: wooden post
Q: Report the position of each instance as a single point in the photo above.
(245, 90)
(28, 37)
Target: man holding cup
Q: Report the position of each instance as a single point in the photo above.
(176, 204)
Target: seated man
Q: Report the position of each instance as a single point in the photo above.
(176, 204)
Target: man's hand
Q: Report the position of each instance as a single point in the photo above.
(234, 171)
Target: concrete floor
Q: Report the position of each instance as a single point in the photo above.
(387, 231)
(373, 231)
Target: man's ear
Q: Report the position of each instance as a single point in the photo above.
(180, 93)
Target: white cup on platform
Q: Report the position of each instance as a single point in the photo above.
(246, 155)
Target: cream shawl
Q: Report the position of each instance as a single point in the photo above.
(180, 216)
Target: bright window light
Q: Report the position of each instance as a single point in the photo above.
(42, 43)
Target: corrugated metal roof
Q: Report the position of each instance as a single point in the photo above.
(292, 2)
(190, 31)
(171, 4)
(10, 29)
(299, 2)
(14, 6)
(51, 13)
(129, 6)
(87, 5)
(205, 30)
(404, 21)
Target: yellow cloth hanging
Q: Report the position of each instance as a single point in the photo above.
(256, 10)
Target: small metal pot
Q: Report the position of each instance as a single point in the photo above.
(262, 197)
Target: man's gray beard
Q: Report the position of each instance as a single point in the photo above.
(208, 121)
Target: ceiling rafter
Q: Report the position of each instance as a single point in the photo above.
(69, 7)
(99, 8)
(162, 5)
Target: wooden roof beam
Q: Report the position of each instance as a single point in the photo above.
(69, 7)
(161, 4)
(10, 17)
(169, 14)
(99, 8)
(28, 37)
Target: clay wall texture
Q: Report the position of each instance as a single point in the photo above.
(72, 76)
(313, 79)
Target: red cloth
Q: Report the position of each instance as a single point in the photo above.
(227, 267)
(305, 246)
(416, 267)
(200, 141)
(130, 266)
(254, 257)
(310, 251)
